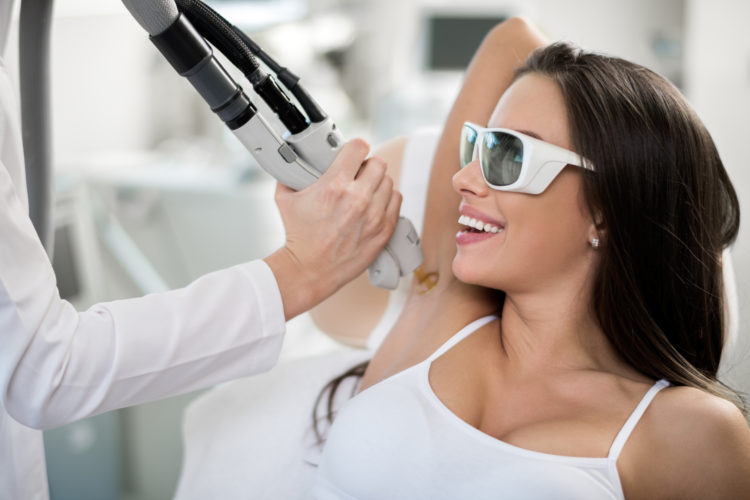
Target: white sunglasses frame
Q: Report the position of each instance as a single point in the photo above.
(542, 161)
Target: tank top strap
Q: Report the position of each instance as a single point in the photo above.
(635, 417)
(460, 335)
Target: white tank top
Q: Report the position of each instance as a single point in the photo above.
(397, 440)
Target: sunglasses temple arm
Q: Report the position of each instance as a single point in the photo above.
(545, 175)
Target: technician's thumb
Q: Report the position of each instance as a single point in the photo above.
(349, 159)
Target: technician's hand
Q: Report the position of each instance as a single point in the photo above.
(334, 228)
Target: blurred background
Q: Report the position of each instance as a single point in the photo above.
(152, 192)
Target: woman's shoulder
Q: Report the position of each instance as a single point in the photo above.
(689, 444)
(681, 410)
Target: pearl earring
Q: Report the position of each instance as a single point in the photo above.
(595, 242)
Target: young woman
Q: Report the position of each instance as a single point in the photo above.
(570, 346)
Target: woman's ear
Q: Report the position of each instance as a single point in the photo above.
(594, 236)
(597, 231)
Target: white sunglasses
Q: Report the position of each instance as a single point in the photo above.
(512, 161)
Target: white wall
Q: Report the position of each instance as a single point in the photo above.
(100, 86)
(717, 67)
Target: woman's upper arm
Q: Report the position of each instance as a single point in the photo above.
(717, 454)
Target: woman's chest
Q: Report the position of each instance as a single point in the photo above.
(397, 440)
(559, 414)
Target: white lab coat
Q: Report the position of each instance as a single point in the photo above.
(58, 365)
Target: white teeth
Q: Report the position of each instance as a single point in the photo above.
(478, 225)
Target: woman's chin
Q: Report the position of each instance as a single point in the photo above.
(470, 273)
(467, 272)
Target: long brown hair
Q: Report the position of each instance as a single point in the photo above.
(667, 210)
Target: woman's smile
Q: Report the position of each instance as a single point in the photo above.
(480, 227)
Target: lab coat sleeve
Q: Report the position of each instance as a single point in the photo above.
(59, 365)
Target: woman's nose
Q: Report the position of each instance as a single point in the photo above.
(469, 180)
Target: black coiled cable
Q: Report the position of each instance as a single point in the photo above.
(222, 35)
(241, 50)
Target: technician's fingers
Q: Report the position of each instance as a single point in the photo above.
(379, 201)
(371, 174)
(380, 235)
(349, 159)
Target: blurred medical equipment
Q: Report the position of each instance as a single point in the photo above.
(33, 66)
(305, 150)
(450, 36)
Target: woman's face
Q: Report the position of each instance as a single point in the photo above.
(545, 238)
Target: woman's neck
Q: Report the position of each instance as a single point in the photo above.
(554, 330)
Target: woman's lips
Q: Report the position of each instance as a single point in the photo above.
(483, 227)
(468, 237)
(472, 212)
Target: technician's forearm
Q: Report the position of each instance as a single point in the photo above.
(58, 365)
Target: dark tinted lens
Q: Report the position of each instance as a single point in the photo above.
(501, 157)
(468, 139)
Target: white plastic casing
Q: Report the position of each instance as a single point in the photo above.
(401, 256)
(318, 144)
(274, 155)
